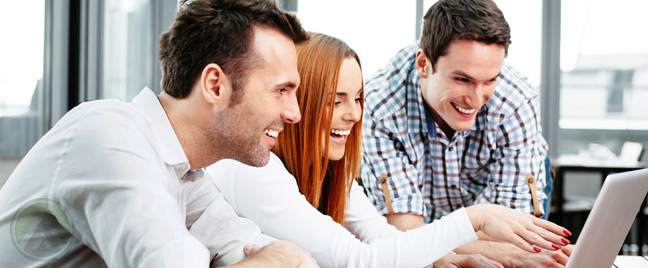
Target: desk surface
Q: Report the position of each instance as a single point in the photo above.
(601, 164)
(571, 163)
(630, 262)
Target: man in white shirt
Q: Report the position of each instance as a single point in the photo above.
(121, 184)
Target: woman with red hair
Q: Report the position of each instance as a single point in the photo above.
(308, 194)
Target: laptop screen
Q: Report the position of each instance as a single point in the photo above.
(610, 220)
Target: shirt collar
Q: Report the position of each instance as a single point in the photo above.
(170, 149)
(434, 132)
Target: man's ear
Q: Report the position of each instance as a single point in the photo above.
(215, 86)
(421, 64)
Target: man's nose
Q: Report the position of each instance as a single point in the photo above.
(290, 113)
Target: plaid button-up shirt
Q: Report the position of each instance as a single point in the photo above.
(431, 174)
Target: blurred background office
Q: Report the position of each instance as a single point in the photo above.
(587, 59)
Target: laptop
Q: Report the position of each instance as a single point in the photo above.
(609, 222)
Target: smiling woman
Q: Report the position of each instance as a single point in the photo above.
(347, 107)
(331, 90)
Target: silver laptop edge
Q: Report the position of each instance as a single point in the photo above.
(608, 224)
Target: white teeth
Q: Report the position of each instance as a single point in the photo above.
(271, 133)
(341, 132)
(463, 110)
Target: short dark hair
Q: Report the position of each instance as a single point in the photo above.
(449, 20)
(221, 32)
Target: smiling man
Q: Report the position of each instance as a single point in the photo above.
(116, 184)
(448, 124)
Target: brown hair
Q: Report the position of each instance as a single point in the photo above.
(221, 32)
(447, 20)
(325, 184)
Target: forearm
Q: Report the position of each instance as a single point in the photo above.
(225, 234)
(404, 221)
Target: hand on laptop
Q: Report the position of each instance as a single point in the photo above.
(523, 230)
(517, 258)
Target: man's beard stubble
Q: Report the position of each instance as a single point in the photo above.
(237, 139)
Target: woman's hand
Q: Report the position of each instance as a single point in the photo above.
(466, 260)
(525, 231)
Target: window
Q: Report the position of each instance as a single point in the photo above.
(604, 81)
(21, 77)
(118, 54)
(128, 43)
(376, 30)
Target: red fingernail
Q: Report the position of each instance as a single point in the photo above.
(567, 233)
(564, 240)
(537, 249)
(555, 246)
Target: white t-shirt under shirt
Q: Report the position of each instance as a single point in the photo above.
(269, 196)
(108, 186)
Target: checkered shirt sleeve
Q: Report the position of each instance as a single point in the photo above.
(514, 128)
(385, 136)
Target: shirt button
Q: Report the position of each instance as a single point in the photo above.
(183, 168)
(454, 186)
(450, 148)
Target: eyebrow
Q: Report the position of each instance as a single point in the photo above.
(287, 84)
(460, 73)
(344, 93)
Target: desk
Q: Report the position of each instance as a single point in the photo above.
(571, 163)
(630, 262)
(574, 163)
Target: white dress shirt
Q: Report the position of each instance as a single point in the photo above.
(110, 185)
(270, 197)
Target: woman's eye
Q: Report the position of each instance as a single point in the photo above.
(281, 90)
(358, 99)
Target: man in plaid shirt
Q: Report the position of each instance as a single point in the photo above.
(447, 124)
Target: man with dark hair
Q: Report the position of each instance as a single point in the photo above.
(447, 124)
(122, 185)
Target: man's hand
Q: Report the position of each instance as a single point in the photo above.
(469, 260)
(277, 254)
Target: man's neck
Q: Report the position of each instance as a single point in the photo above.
(447, 130)
(187, 127)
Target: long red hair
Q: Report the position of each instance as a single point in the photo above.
(303, 147)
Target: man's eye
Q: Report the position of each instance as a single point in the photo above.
(462, 79)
